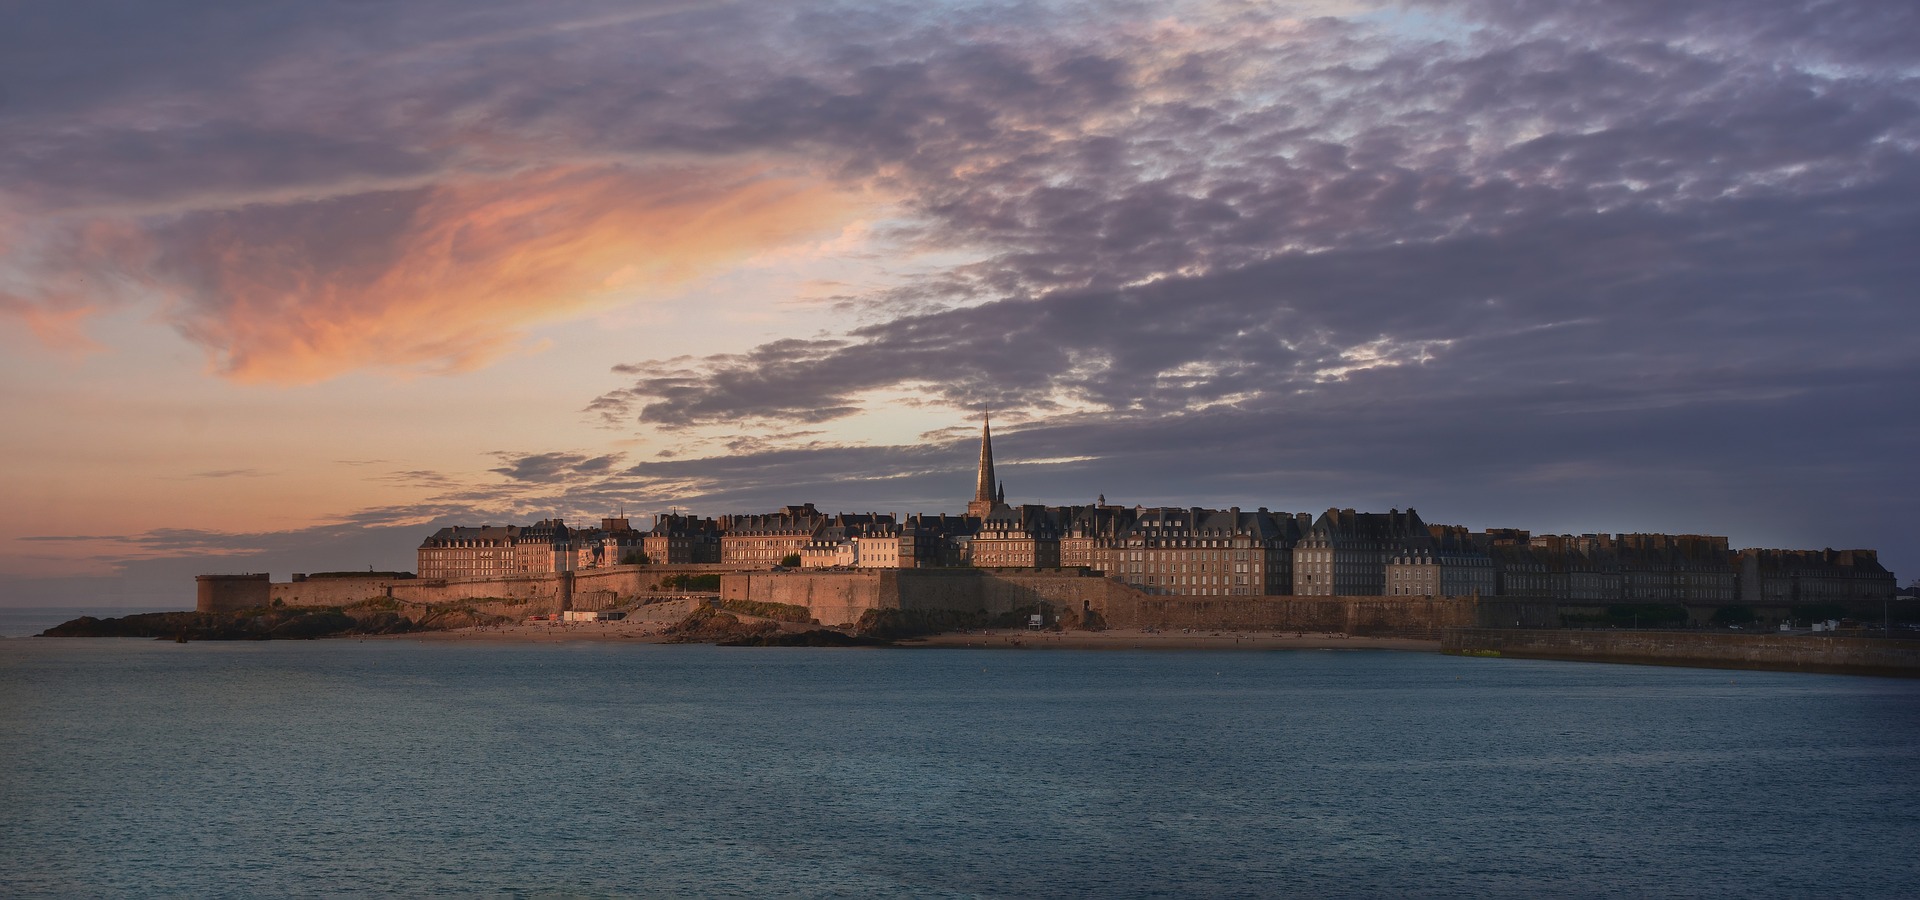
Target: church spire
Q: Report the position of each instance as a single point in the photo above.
(983, 491)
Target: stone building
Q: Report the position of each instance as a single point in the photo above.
(1453, 564)
(762, 541)
(842, 542)
(1203, 552)
(1674, 568)
(1026, 537)
(544, 547)
(461, 552)
(988, 493)
(1090, 531)
(1812, 577)
(917, 542)
(678, 540)
(1578, 567)
(1345, 553)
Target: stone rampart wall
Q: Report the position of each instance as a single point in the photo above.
(600, 588)
(227, 593)
(834, 598)
(1422, 617)
(1777, 652)
(841, 597)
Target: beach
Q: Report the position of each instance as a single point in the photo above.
(652, 629)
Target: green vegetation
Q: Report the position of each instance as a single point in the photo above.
(1733, 615)
(1631, 615)
(684, 582)
(779, 612)
(894, 624)
(708, 625)
(635, 558)
(791, 561)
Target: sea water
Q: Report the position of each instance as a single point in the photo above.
(148, 768)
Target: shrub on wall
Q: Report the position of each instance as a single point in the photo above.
(779, 612)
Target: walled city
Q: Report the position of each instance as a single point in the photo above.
(1131, 564)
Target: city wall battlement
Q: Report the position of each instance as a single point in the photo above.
(536, 594)
(841, 597)
(837, 597)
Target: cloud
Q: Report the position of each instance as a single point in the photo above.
(446, 278)
(1376, 254)
(553, 467)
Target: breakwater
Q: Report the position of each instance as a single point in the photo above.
(1772, 652)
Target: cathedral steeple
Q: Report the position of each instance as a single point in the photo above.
(983, 490)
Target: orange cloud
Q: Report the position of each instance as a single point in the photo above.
(57, 328)
(53, 280)
(447, 278)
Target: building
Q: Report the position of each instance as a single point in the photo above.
(841, 542)
(461, 552)
(1023, 537)
(1345, 553)
(1452, 564)
(1091, 531)
(678, 540)
(1812, 577)
(987, 492)
(1202, 552)
(544, 547)
(762, 541)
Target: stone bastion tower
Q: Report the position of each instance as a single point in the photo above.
(230, 593)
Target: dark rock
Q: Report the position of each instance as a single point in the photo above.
(820, 637)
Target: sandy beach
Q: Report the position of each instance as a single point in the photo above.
(642, 628)
(1139, 639)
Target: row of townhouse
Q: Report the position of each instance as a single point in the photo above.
(1193, 551)
(1198, 552)
(550, 545)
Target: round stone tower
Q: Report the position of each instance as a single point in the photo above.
(229, 593)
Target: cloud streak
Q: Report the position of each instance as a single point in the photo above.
(1586, 253)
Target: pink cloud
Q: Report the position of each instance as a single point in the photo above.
(438, 279)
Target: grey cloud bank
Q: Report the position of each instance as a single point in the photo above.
(1605, 266)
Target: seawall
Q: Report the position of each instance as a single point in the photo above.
(1772, 652)
(513, 595)
(841, 597)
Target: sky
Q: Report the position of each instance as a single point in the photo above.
(287, 285)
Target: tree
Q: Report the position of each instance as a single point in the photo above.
(635, 558)
(1733, 615)
(791, 561)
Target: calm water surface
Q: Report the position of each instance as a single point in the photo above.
(141, 768)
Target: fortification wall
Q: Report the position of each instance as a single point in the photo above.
(600, 588)
(841, 597)
(1777, 652)
(227, 593)
(1423, 617)
(1003, 590)
(833, 597)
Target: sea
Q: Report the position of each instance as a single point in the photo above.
(136, 768)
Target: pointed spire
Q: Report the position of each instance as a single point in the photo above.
(983, 495)
(983, 489)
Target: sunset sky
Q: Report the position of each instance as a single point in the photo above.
(285, 286)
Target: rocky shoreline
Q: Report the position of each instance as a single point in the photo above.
(265, 624)
(696, 624)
